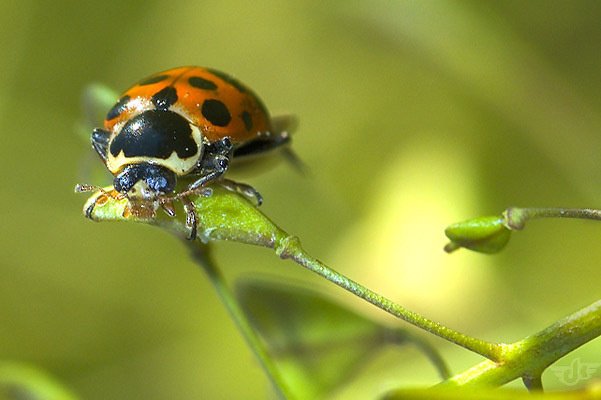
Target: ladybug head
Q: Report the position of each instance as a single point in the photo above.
(156, 180)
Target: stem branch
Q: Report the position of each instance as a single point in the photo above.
(202, 258)
(291, 248)
(516, 217)
(529, 357)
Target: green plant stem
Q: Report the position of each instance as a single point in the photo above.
(529, 357)
(226, 216)
(515, 217)
(202, 258)
(290, 248)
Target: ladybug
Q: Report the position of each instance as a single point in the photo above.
(184, 122)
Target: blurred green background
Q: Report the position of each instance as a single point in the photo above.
(413, 115)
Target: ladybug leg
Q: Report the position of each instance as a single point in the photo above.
(100, 142)
(191, 217)
(246, 190)
(167, 206)
(214, 162)
(219, 165)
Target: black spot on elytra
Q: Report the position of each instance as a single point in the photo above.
(155, 134)
(216, 112)
(247, 119)
(118, 108)
(165, 98)
(241, 88)
(202, 83)
(153, 79)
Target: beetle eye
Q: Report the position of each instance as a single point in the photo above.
(126, 180)
(161, 181)
(158, 179)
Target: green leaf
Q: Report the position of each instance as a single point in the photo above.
(316, 343)
(484, 235)
(20, 381)
(222, 216)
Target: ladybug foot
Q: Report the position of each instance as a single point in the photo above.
(246, 190)
(191, 218)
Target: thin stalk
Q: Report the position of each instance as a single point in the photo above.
(291, 248)
(516, 217)
(202, 258)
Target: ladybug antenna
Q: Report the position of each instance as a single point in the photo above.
(84, 187)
